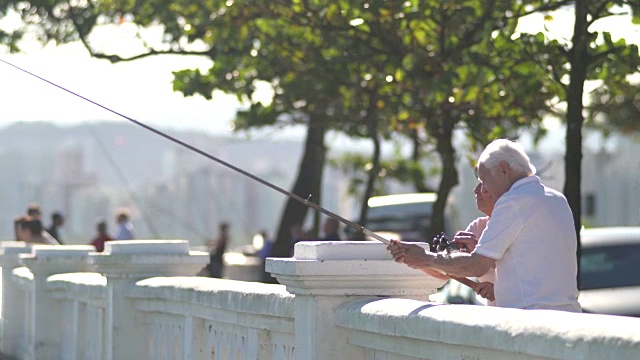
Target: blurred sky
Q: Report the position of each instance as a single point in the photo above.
(139, 89)
(142, 89)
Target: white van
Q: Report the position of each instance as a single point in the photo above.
(404, 217)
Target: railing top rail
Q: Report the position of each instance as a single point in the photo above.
(83, 283)
(147, 246)
(14, 247)
(242, 296)
(51, 251)
(538, 333)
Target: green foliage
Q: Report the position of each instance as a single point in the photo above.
(396, 167)
(615, 110)
(608, 61)
(10, 40)
(409, 64)
(399, 62)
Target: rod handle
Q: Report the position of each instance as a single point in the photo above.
(370, 233)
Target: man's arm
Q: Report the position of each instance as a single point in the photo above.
(462, 264)
(457, 264)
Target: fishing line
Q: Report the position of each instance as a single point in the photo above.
(123, 179)
(304, 201)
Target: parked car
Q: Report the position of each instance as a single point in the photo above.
(610, 271)
(405, 217)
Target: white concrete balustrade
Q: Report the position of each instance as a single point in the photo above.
(343, 300)
(13, 301)
(83, 299)
(196, 318)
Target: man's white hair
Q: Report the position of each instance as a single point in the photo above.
(508, 151)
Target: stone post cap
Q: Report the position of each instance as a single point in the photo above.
(50, 259)
(51, 251)
(348, 268)
(143, 258)
(10, 253)
(14, 247)
(343, 250)
(172, 247)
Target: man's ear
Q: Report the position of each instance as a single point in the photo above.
(505, 169)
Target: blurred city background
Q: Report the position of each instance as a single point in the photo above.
(88, 171)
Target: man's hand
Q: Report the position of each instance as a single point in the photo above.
(410, 254)
(485, 289)
(465, 241)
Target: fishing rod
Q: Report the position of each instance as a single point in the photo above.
(300, 199)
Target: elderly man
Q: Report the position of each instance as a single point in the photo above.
(530, 239)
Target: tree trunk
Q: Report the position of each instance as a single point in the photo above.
(573, 157)
(417, 176)
(372, 125)
(449, 177)
(308, 182)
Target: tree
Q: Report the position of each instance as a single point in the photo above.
(590, 55)
(615, 110)
(446, 75)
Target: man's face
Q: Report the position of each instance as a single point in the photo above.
(496, 182)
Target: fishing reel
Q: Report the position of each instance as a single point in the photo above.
(442, 243)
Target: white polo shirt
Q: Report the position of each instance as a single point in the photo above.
(532, 238)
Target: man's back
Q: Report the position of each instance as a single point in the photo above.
(532, 238)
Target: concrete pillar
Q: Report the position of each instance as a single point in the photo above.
(44, 261)
(11, 319)
(324, 275)
(123, 263)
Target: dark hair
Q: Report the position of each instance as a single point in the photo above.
(33, 209)
(123, 214)
(101, 224)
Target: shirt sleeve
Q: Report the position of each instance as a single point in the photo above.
(477, 226)
(501, 231)
(472, 226)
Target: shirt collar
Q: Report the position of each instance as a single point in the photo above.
(525, 181)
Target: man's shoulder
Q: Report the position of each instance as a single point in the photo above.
(553, 192)
(526, 189)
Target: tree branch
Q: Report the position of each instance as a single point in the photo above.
(596, 14)
(549, 7)
(114, 58)
(117, 58)
(603, 54)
